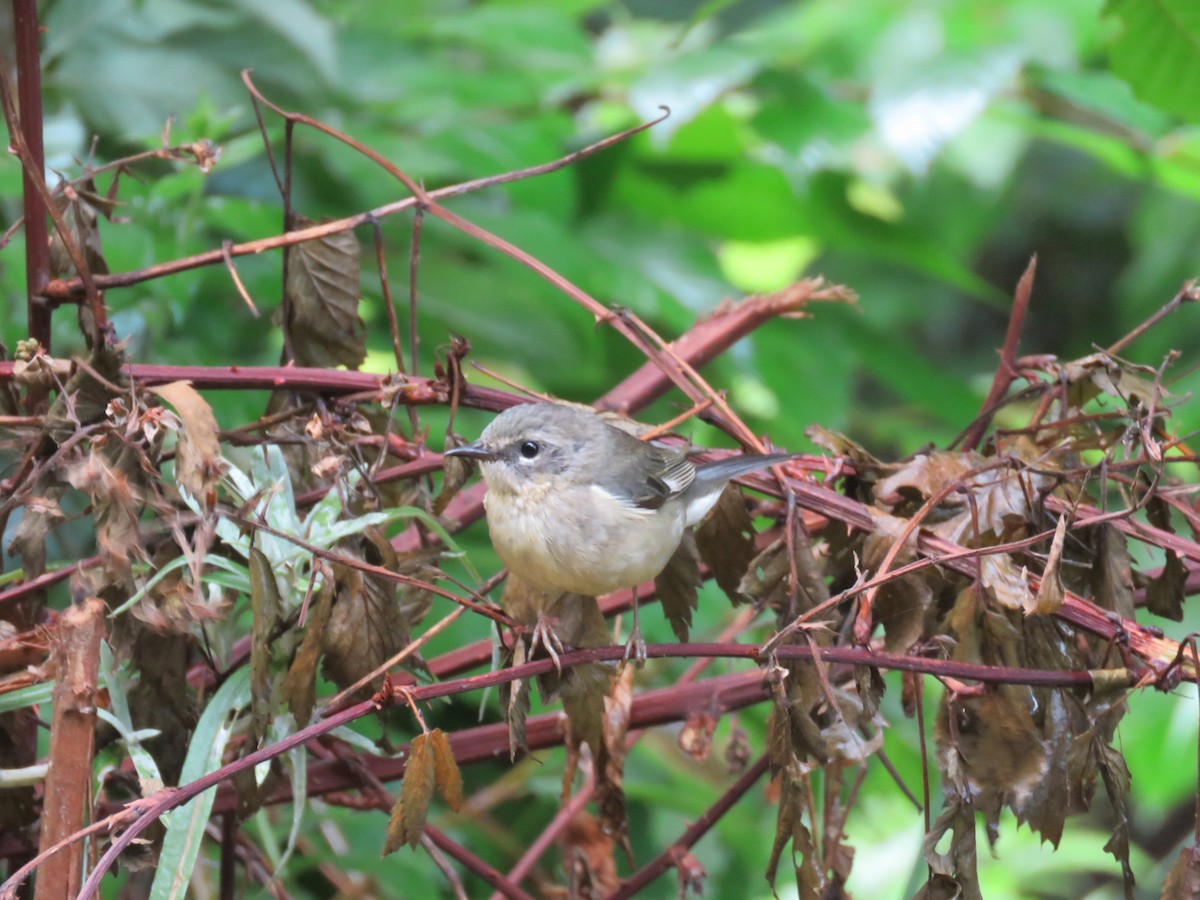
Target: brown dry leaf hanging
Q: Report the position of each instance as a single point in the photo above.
(116, 490)
(578, 622)
(267, 607)
(794, 797)
(1115, 774)
(197, 455)
(446, 776)
(84, 399)
(323, 290)
(725, 539)
(514, 697)
(588, 858)
(455, 472)
(1112, 571)
(990, 748)
(299, 687)
(955, 872)
(901, 605)
(81, 207)
(677, 586)
(1050, 590)
(366, 625)
(407, 820)
(1006, 583)
(1047, 805)
(1166, 591)
(696, 736)
(610, 760)
(41, 513)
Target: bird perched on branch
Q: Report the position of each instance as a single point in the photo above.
(575, 504)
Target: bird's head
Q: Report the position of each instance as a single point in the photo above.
(539, 442)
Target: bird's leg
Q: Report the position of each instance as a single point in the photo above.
(636, 645)
(543, 633)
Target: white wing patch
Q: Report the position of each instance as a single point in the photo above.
(678, 475)
(607, 501)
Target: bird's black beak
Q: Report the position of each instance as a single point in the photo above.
(472, 451)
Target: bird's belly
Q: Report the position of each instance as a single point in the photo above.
(575, 541)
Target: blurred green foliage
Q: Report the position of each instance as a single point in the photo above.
(919, 152)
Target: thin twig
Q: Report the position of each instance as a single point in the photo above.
(669, 856)
(1006, 371)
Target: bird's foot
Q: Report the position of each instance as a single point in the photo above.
(635, 649)
(543, 634)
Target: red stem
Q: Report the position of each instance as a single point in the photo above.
(697, 830)
(29, 99)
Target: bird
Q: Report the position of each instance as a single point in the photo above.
(577, 504)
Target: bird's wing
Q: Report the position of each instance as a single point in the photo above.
(673, 474)
(647, 476)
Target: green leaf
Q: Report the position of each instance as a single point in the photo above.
(1158, 52)
(185, 825)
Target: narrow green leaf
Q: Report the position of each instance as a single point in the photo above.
(185, 825)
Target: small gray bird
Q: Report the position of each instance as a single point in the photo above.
(576, 504)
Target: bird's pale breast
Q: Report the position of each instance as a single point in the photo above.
(581, 539)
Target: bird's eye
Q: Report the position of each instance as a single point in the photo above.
(530, 449)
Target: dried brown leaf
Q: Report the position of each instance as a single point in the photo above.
(588, 857)
(765, 583)
(1115, 773)
(39, 515)
(85, 398)
(866, 465)
(792, 734)
(871, 687)
(366, 626)
(1112, 571)
(901, 607)
(768, 582)
(790, 826)
(725, 540)
(956, 870)
(514, 695)
(447, 777)
(1047, 806)
(677, 586)
(267, 607)
(395, 836)
(691, 872)
(1050, 590)
(695, 738)
(198, 453)
(1166, 591)
(299, 686)
(161, 699)
(990, 748)
(1006, 583)
(324, 289)
(737, 751)
(411, 809)
(577, 622)
(115, 488)
(455, 472)
(610, 759)
(785, 821)
(81, 208)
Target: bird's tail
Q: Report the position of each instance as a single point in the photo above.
(715, 474)
(711, 479)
